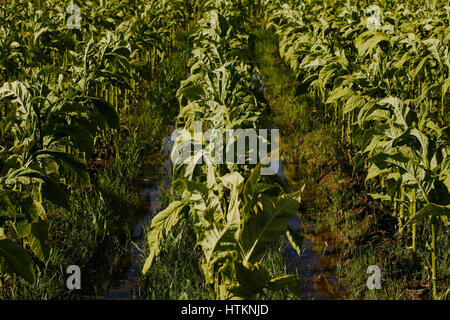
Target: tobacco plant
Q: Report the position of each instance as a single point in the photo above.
(235, 212)
(385, 89)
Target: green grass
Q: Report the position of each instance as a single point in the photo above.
(175, 274)
(402, 273)
(289, 112)
(275, 262)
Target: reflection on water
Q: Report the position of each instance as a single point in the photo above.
(116, 272)
(316, 266)
(151, 194)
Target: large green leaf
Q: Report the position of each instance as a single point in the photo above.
(107, 112)
(162, 225)
(20, 206)
(38, 240)
(192, 92)
(374, 172)
(71, 167)
(18, 92)
(51, 189)
(295, 239)
(252, 278)
(18, 259)
(339, 93)
(218, 238)
(367, 42)
(266, 226)
(291, 281)
(429, 210)
(78, 134)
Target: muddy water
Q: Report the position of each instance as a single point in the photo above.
(316, 266)
(115, 277)
(150, 195)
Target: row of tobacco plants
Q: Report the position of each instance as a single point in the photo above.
(381, 78)
(63, 94)
(235, 212)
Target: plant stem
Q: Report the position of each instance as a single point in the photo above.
(413, 213)
(433, 255)
(402, 206)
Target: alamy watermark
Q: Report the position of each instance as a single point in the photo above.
(238, 146)
(374, 281)
(74, 280)
(74, 20)
(375, 17)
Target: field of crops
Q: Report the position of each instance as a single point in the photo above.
(332, 115)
